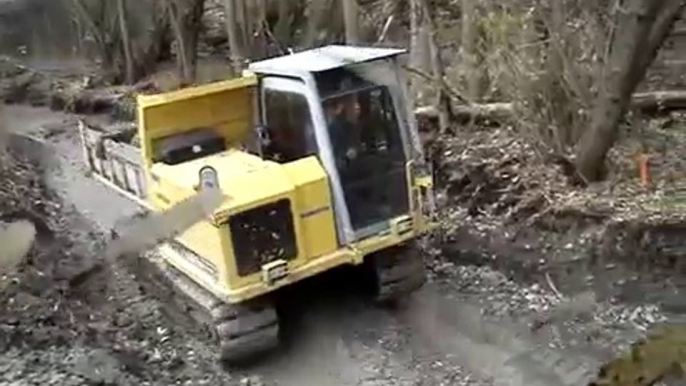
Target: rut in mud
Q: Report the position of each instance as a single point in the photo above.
(107, 331)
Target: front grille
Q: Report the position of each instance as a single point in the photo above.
(261, 235)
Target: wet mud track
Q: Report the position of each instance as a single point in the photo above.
(332, 334)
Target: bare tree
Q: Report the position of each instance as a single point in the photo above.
(315, 15)
(442, 99)
(284, 21)
(420, 50)
(236, 47)
(422, 20)
(557, 103)
(186, 18)
(98, 29)
(128, 38)
(642, 26)
(470, 49)
(257, 29)
(352, 29)
(129, 75)
(155, 44)
(242, 21)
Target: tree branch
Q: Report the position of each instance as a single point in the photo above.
(438, 83)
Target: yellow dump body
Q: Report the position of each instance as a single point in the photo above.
(289, 205)
(226, 106)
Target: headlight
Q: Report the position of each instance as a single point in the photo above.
(208, 178)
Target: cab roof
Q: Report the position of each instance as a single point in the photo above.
(322, 59)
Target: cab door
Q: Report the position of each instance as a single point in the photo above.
(290, 110)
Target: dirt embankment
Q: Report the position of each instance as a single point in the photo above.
(504, 205)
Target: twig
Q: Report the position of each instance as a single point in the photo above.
(270, 35)
(552, 285)
(385, 29)
(438, 82)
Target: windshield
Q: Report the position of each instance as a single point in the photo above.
(369, 153)
(364, 121)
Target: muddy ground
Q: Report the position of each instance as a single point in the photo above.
(108, 332)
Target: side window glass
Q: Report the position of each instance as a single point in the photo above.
(287, 116)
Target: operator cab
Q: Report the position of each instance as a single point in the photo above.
(344, 105)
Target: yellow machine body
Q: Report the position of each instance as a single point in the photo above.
(247, 181)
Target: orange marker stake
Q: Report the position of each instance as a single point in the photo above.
(643, 170)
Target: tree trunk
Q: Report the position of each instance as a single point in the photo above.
(235, 47)
(414, 33)
(558, 101)
(181, 57)
(469, 50)
(156, 47)
(664, 24)
(79, 36)
(258, 21)
(242, 24)
(638, 26)
(129, 74)
(352, 33)
(315, 13)
(91, 27)
(192, 25)
(186, 17)
(420, 50)
(282, 29)
(443, 103)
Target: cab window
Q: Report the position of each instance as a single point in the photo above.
(288, 120)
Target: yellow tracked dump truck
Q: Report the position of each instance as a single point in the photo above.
(319, 160)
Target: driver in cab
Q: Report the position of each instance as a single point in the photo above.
(342, 119)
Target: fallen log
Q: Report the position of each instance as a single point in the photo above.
(659, 101)
(479, 113)
(117, 101)
(647, 102)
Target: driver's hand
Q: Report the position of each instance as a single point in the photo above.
(351, 153)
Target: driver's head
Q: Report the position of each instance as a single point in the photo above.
(334, 108)
(351, 107)
(346, 107)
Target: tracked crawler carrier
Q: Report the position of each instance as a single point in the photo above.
(319, 160)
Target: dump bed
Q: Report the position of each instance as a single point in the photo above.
(227, 108)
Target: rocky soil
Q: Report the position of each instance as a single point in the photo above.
(490, 299)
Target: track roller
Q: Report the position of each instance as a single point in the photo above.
(398, 272)
(244, 332)
(239, 332)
